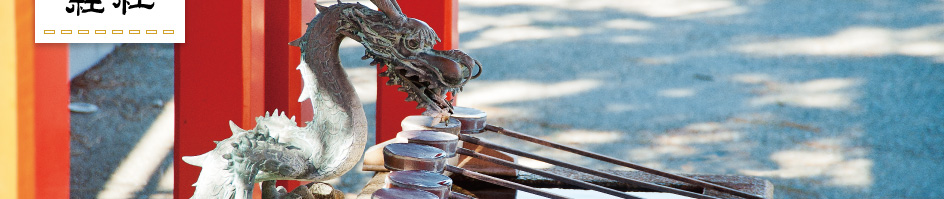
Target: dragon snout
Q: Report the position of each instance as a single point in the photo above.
(450, 70)
(456, 66)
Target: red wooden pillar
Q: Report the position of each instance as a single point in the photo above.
(51, 120)
(219, 76)
(34, 114)
(442, 16)
(282, 82)
(283, 21)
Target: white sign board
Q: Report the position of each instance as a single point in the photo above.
(109, 21)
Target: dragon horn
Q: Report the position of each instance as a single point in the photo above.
(233, 127)
(390, 8)
(196, 160)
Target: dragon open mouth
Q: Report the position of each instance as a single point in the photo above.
(429, 78)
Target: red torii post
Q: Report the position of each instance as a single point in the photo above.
(236, 64)
(218, 77)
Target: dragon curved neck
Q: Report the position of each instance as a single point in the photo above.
(338, 113)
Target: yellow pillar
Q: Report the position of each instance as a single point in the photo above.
(16, 97)
(8, 110)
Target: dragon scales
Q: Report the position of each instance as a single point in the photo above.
(333, 142)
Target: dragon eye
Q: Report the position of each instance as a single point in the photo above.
(412, 44)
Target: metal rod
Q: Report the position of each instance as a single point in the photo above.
(593, 155)
(655, 187)
(567, 180)
(501, 182)
(457, 195)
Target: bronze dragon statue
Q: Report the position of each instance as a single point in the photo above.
(333, 142)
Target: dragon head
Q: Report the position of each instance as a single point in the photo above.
(405, 46)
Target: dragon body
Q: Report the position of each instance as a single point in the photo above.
(333, 142)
